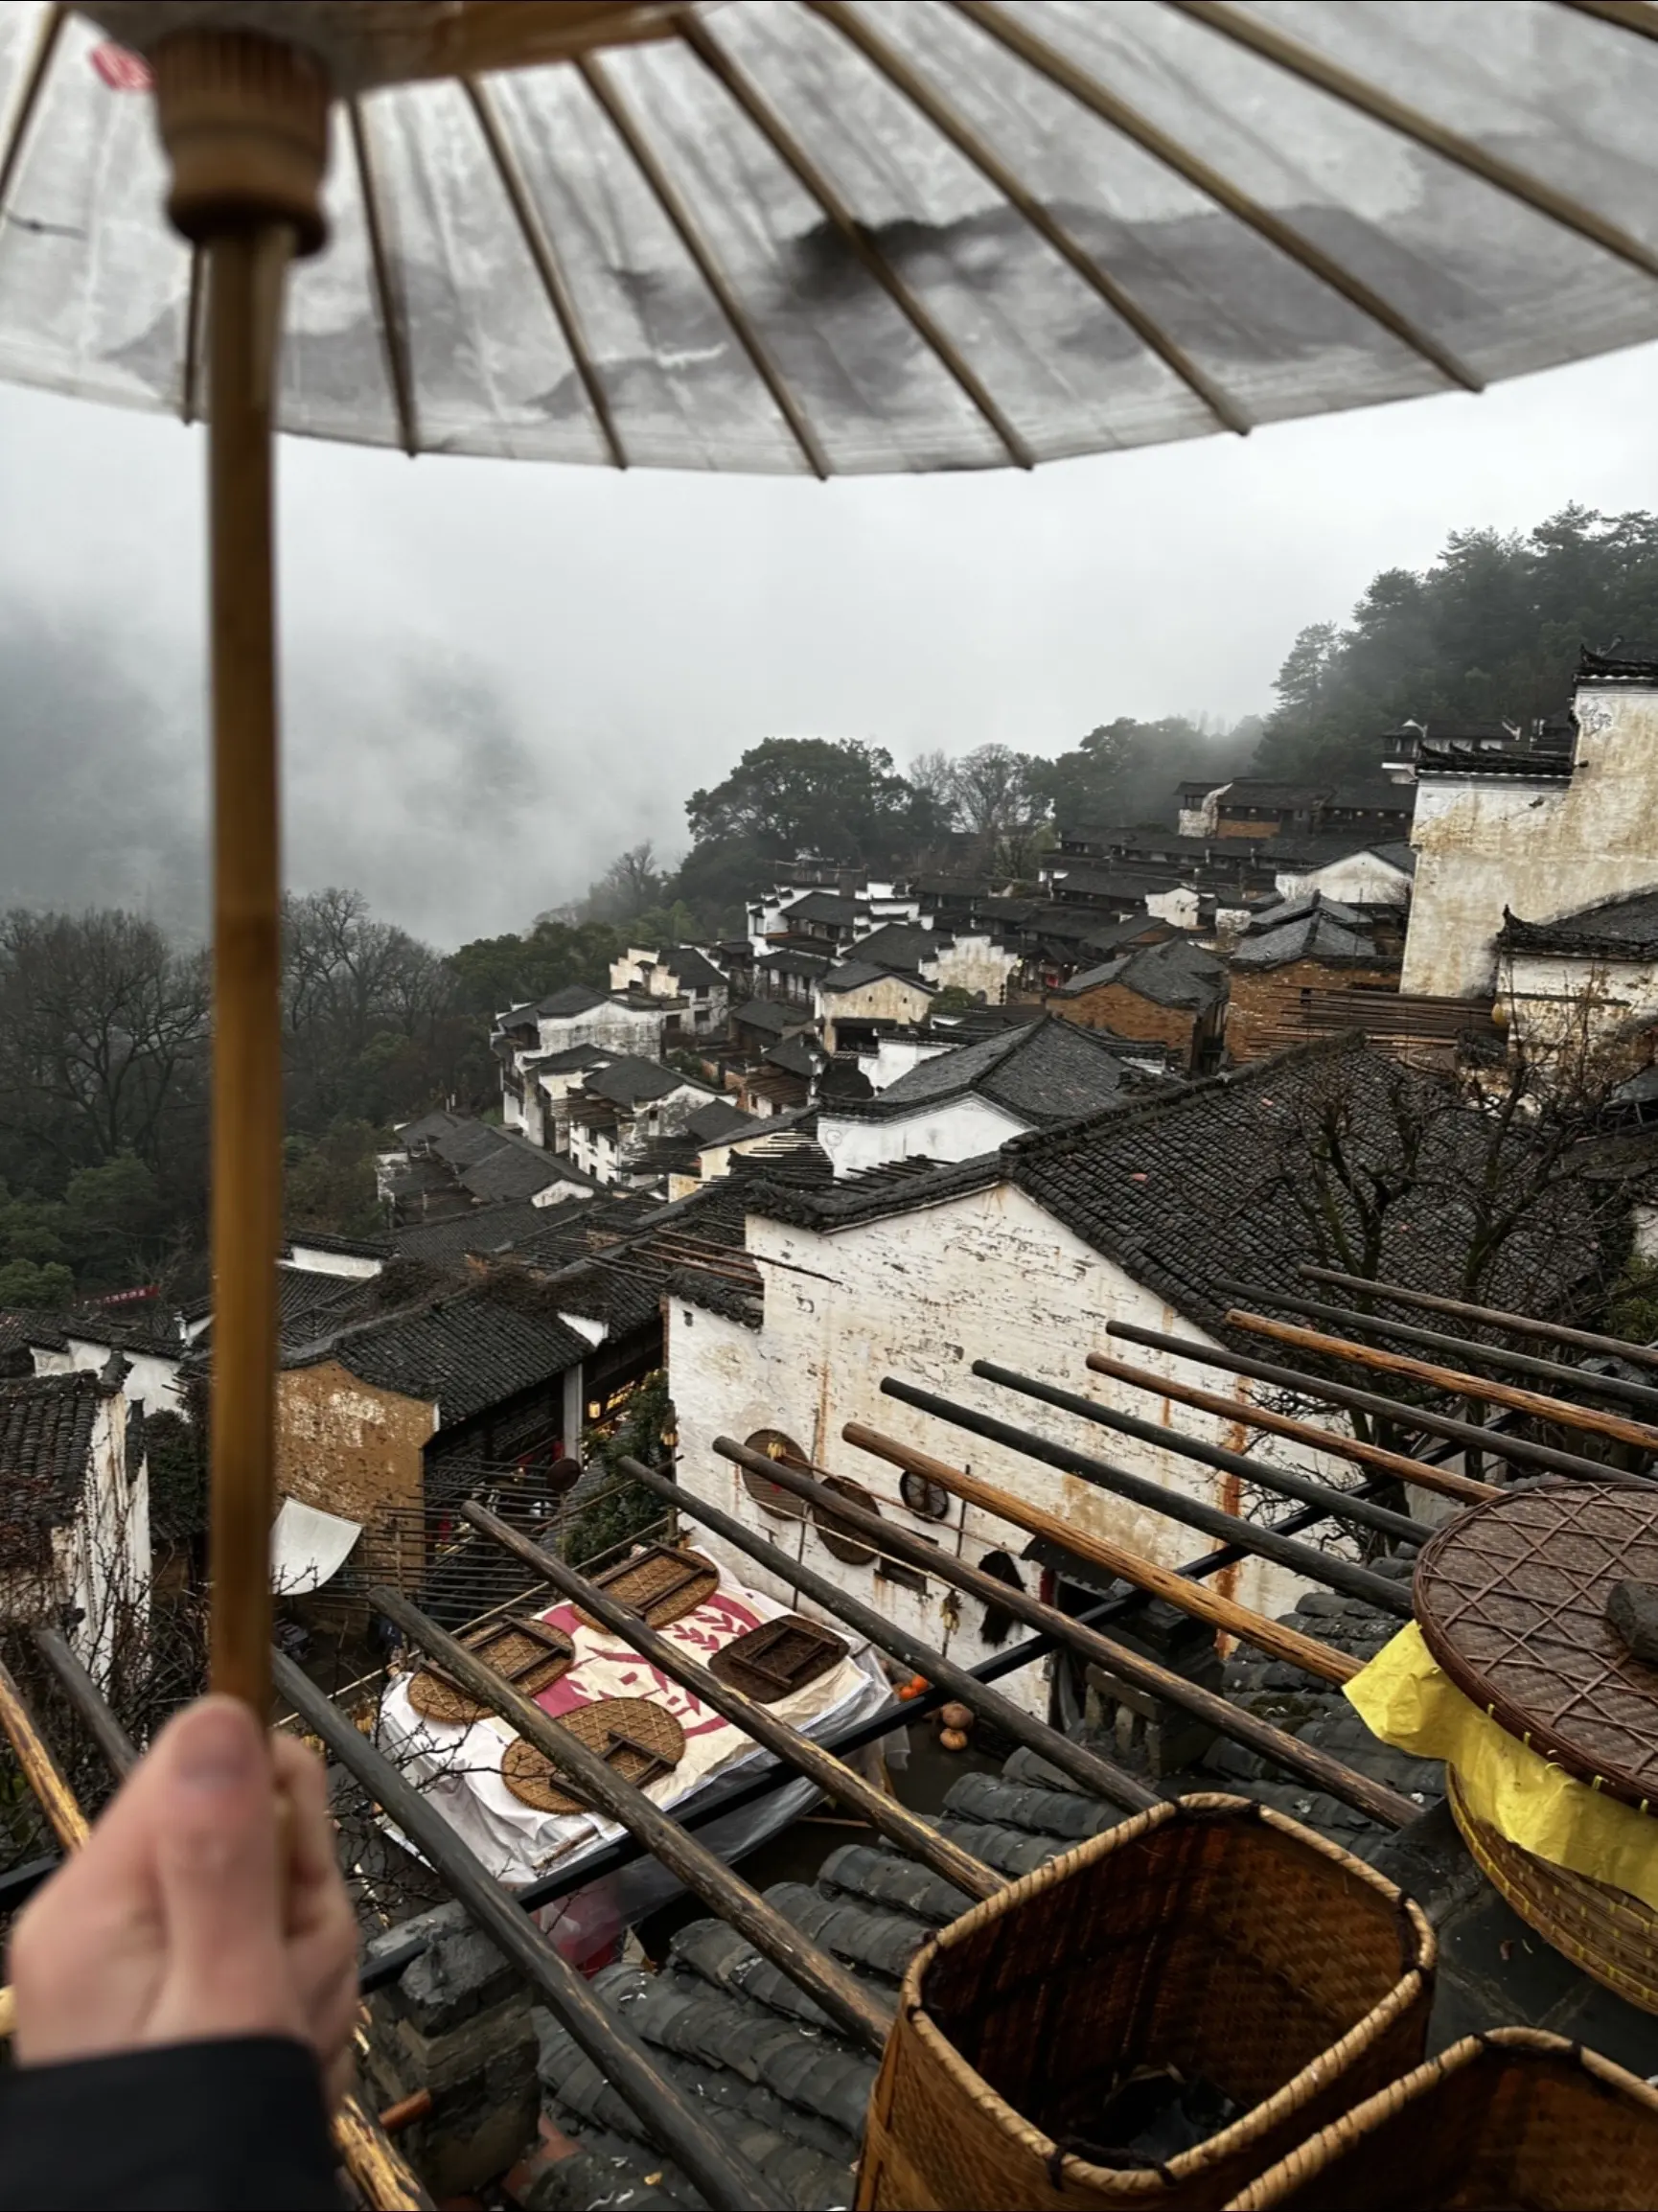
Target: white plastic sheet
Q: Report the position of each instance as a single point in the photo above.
(308, 1548)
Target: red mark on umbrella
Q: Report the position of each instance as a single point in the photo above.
(120, 70)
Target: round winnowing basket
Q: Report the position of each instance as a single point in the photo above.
(640, 1740)
(1212, 1936)
(1610, 1934)
(1514, 2117)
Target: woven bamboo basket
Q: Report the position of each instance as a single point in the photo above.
(1610, 1934)
(1515, 2117)
(1210, 1935)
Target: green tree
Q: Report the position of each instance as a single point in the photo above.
(1489, 633)
(330, 1179)
(1127, 771)
(840, 797)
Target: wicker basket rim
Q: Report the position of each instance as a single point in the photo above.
(1306, 2160)
(1259, 2118)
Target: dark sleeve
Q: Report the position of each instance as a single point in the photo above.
(215, 2127)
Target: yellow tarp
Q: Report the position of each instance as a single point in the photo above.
(1404, 1697)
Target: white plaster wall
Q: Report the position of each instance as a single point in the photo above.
(1543, 849)
(1362, 879)
(151, 1379)
(895, 1056)
(960, 1130)
(1551, 1000)
(1179, 907)
(313, 1260)
(888, 999)
(619, 1029)
(975, 963)
(922, 1295)
(558, 1194)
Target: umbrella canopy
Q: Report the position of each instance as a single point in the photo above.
(839, 238)
(792, 234)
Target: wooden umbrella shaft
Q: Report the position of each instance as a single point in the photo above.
(244, 302)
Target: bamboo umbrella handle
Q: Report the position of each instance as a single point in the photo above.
(244, 121)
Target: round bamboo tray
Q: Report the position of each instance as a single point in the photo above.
(640, 1740)
(1514, 2117)
(1610, 1934)
(1211, 1936)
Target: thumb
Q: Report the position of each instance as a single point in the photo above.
(218, 1871)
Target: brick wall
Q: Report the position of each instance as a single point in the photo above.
(1113, 1006)
(348, 1448)
(1263, 1014)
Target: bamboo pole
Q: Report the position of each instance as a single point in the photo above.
(1207, 1605)
(1604, 1386)
(722, 2177)
(40, 1769)
(838, 1782)
(245, 295)
(1376, 1802)
(1416, 1472)
(1174, 1505)
(851, 2005)
(1533, 1403)
(1519, 1451)
(1305, 1489)
(1515, 1324)
(87, 1700)
(1085, 1767)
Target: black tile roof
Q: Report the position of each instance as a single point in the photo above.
(1188, 1190)
(719, 1121)
(691, 969)
(517, 1170)
(572, 1057)
(1640, 670)
(1625, 928)
(771, 1014)
(486, 1229)
(467, 1352)
(823, 907)
(634, 1081)
(1313, 933)
(788, 961)
(1177, 974)
(21, 1328)
(571, 999)
(899, 946)
(46, 1425)
(1048, 1071)
(794, 1055)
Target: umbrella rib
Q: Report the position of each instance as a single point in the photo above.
(190, 381)
(393, 333)
(45, 46)
(1638, 15)
(540, 248)
(817, 185)
(1051, 63)
(674, 207)
(1313, 68)
(961, 134)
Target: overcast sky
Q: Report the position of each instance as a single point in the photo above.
(498, 675)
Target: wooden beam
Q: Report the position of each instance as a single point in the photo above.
(1513, 1324)
(1193, 1598)
(40, 1769)
(1587, 1418)
(1420, 1473)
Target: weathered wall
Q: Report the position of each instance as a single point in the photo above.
(975, 963)
(1264, 1000)
(151, 1380)
(887, 999)
(350, 1448)
(1542, 848)
(960, 1129)
(922, 1295)
(1361, 878)
(895, 1056)
(617, 1027)
(1551, 1000)
(315, 1259)
(1113, 1006)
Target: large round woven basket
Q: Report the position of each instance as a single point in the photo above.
(1515, 2117)
(1610, 1934)
(1211, 1936)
